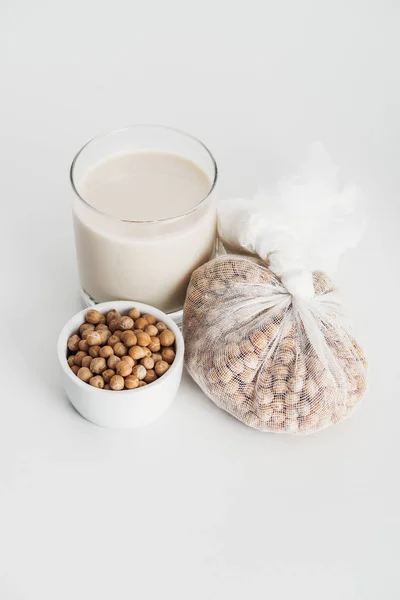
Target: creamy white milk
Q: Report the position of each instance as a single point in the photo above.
(144, 247)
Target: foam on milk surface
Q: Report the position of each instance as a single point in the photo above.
(144, 186)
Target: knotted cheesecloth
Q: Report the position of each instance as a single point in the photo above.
(264, 332)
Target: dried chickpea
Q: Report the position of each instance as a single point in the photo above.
(112, 340)
(147, 351)
(129, 339)
(101, 326)
(107, 386)
(118, 333)
(73, 343)
(161, 367)
(123, 368)
(154, 345)
(136, 352)
(93, 317)
(139, 371)
(84, 374)
(141, 323)
(129, 360)
(102, 320)
(86, 361)
(117, 383)
(106, 352)
(150, 376)
(151, 330)
(85, 327)
(94, 338)
(150, 319)
(98, 365)
(97, 381)
(168, 355)
(112, 362)
(131, 382)
(126, 323)
(78, 357)
(161, 327)
(112, 314)
(156, 357)
(75, 369)
(94, 351)
(134, 314)
(83, 345)
(104, 334)
(136, 331)
(120, 349)
(70, 360)
(108, 374)
(167, 338)
(142, 383)
(143, 339)
(113, 325)
(86, 333)
(147, 362)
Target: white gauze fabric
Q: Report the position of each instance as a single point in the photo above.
(264, 331)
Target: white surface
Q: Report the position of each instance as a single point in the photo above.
(195, 506)
(133, 408)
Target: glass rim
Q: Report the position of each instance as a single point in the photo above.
(129, 127)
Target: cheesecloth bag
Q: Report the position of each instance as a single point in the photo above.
(264, 332)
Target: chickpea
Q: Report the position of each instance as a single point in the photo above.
(168, 355)
(141, 323)
(131, 382)
(73, 343)
(117, 383)
(156, 357)
(154, 345)
(112, 361)
(86, 361)
(120, 349)
(78, 357)
(161, 367)
(94, 351)
(113, 325)
(106, 351)
(150, 319)
(167, 338)
(75, 369)
(84, 374)
(83, 345)
(151, 330)
(129, 360)
(143, 339)
(97, 381)
(139, 371)
(93, 317)
(126, 323)
(129, 339)
(94, 338)
(134, 314)
(142, 383)
(70, 360)
(147, 351)
(147, 362)
(161, 327)
(104, 334)
(98, 365)
(112, 314)
(85, 327)
(124, 368)
(112, 340)
(136, 352)
(150, 376)
(108, 374)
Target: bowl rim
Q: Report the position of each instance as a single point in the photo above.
(122, 305)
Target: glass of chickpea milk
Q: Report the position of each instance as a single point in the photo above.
(144, 214)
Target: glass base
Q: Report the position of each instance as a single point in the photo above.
(88, 302)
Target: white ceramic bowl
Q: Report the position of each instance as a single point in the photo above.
(127, 408)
